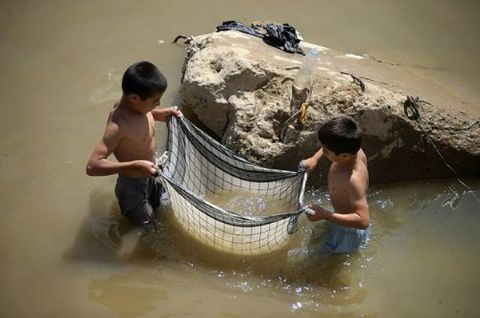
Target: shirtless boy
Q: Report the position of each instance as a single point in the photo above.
(348, 225)
(130, 136)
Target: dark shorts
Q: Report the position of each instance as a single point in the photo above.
(138, 198)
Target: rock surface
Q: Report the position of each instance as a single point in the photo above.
(240, 88)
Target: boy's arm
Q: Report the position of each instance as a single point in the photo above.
(162, 114)
(99, 165)
(311, 163)
(358, 218)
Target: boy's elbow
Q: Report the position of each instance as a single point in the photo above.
(90, 170)
(363, 223)
(363, 218)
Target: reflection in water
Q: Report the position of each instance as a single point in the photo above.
(313, 283)
(129, 295)
(106, 235)
(298, 270)
(94, 240)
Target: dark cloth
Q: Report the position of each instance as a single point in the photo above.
(238, 26)
(138, 198)
(282, 36)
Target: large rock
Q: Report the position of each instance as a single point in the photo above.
(240, 89)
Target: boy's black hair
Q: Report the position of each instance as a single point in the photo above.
(143, 79)
(341, 135)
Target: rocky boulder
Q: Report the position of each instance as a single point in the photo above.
(239, 89)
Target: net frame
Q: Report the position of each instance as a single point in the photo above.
(198, 166)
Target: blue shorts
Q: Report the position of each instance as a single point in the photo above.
(342, 239)
(138, 198)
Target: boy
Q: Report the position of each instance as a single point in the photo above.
(130, 136)
(348, 226)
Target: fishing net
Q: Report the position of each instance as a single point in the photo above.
(198, 168)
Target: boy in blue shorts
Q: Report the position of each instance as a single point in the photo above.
(130, 136)
(348, 225)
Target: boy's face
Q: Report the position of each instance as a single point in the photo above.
(143, 106)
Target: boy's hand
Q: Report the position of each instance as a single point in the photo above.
(305, 165)
(174, 111)
(315, 212)
(162, 114)
(146, 168)
(309, 164)
(301, 166)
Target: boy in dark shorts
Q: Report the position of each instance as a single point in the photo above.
(130, 136)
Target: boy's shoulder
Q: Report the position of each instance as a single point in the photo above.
(117, 121)
(361, 156)
(125, 120)
(119, 116)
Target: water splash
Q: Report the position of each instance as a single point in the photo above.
(296, 306)
(453, 199)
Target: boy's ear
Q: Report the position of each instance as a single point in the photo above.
(134, 98)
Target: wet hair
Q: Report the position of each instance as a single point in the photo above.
(341, 135)
(143, 79)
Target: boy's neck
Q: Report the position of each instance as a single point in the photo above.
(125, 104)
(348, 161)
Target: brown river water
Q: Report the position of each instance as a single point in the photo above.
(66, 251)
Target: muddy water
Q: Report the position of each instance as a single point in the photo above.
(66, 251)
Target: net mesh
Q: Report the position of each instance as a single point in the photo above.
(198, 168)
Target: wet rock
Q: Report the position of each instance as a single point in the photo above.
(240, 89)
